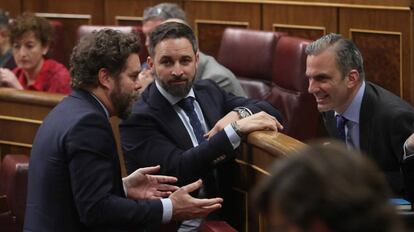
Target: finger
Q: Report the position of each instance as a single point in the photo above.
(164, 179)
(167, 187)
(149, 170)
(158, 195)
(213, 207)
(279, 125)
(193, 186)
(208, 202)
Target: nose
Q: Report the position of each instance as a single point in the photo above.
(312, 86)
(137, 84)
(177, 70)
(147, 41)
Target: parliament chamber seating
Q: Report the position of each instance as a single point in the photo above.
(13, 189)
(271, 66)
(56, 51)
(87, 29)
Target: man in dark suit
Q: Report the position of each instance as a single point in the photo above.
(363, 115)
(75, 181)
(171, 123)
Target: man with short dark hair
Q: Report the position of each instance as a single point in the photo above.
(188, 127)
(208, 67)
(364, 115)
(75, 180)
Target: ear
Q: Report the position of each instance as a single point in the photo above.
(104, 78)
(197, 57)
(353, 78)
(45, 49)
(150, 62)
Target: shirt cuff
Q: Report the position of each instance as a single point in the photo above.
(407, 152)
(125, 189)
(167, 210)
(232, 135)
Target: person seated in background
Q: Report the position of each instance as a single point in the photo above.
(74, 181)
(208, 67)
(326, 188)
(364, 115)
(6, 56)
(31, 37)
(188, 127)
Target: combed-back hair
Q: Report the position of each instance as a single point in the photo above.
(347, 53)
(105, 48)
(171, 30)
(164, 11)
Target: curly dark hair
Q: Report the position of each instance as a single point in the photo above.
(27, 22)
(105, 48)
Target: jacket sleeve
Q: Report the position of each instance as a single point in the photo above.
(96, 180)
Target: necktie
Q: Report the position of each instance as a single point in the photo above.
(187, 104)
(210, 187)
(340, 125)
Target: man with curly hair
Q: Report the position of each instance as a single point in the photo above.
(75, 180)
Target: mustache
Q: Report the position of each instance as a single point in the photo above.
(178, 77)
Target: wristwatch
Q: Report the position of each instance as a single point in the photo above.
(243, 112)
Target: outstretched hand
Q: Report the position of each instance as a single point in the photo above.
(142, 185)
(186, 207)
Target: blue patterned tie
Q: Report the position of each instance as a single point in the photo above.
(340, 125)
(187, 104)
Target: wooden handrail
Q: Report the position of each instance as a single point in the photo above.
(274, 142)
(29, 96)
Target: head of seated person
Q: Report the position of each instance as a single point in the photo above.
(31, 38)
(326, 188)
(154, 16)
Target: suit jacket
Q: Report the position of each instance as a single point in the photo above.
(385, 122)
(209, 68)
(74, 174)
(154, 133)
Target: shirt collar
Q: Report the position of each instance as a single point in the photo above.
(170, 98)
(100, 103)
(352, 112)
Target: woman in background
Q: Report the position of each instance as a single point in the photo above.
(31, 37)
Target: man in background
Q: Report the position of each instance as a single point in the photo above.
(208, 67)
(361, 114)
(75, 179)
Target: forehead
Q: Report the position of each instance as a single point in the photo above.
(323, 62)
(132, 63)
(174, 47)
(150, 25)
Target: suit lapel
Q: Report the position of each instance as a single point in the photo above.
(169, 120)
(365, 119)
(330, 123)
(210, 111)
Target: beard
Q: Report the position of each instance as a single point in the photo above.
(176, 90)
(122, 101)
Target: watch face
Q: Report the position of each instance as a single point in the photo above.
(244, 113)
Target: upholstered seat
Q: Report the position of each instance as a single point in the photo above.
(13, 189)
(271, 66)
